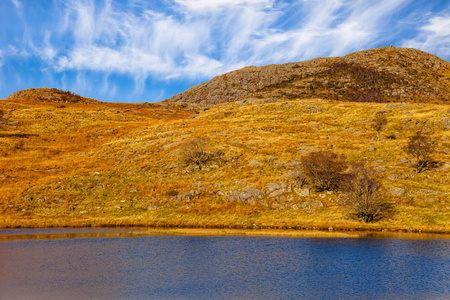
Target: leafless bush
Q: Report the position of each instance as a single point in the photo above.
(323, 169)
(420, 146)
(195, 152)
(363, 195)
(379, 122)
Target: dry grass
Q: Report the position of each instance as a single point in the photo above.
(122, 164)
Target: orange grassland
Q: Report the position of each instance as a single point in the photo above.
(112, 164)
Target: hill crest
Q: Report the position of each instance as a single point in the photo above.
(387, 74)
(50, 95)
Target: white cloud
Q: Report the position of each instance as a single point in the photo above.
(17, 3)
(198, 39)
(209, 5)
(434, 37)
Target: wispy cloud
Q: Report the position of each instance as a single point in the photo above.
(166, 41)
(434, 36)
(215, 36)
(208, 5)
(17, 3)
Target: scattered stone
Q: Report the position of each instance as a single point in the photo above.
(430, 192)
(254, 163)
(446, 123)
(271, 186)
(247, 195)
(302, 192)
(152, 207)
(380, 169)
(393, 176)
(397, 192)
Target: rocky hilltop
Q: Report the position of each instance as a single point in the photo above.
(49, 95)
(387, 74)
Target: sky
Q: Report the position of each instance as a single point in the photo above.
(147, 51)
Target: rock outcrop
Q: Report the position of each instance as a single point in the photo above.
(378, 75)
(49, 95)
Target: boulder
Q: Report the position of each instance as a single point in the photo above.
(397, 192)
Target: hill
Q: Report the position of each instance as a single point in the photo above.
(378, 75)
(49, 95)
(90, 163)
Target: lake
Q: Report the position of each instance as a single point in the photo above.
(113, 264)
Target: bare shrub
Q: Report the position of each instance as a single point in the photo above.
(378, 122)
(363, 195)
(323, 169)
(420, 146)
(195, 152)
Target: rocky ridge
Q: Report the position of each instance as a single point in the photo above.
(49, 95)
(387, 74)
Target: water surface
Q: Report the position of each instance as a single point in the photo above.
(202, 267)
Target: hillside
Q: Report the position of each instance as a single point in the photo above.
(49, 95)
(89, 163)
(377, 75)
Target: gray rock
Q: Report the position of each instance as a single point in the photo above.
(302, 192)
(397, 192)
(446, 123)
(277, 193)
(430, 192)
(380, 169)
(152, 207)
(271, 186)
(254, 163)
(393, 176)
(247, 195)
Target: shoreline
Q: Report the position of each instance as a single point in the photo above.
(139, 228)
(70, 233)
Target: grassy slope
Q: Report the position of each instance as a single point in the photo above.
(112, 164)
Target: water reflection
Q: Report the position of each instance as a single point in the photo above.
(201, 267)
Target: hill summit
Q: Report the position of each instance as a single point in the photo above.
(387, 74)
(50, 95)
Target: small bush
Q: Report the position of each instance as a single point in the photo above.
(420, 146)
(323, 169)
(195, 153)
(379, 122)
(363, 196)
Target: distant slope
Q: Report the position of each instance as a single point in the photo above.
(386, 74)
(50, 95)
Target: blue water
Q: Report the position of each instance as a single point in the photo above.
(186, 267)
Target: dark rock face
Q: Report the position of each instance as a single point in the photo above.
(377, 75)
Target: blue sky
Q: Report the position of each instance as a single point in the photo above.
(147, 51)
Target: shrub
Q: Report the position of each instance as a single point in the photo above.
(323, 169)
(420, 147)
(379, 122)
(195, 152)
(363, 196)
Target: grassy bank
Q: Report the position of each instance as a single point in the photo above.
(124, 165)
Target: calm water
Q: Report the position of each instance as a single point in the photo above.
(188, 267)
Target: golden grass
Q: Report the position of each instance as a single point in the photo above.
(105, 164)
